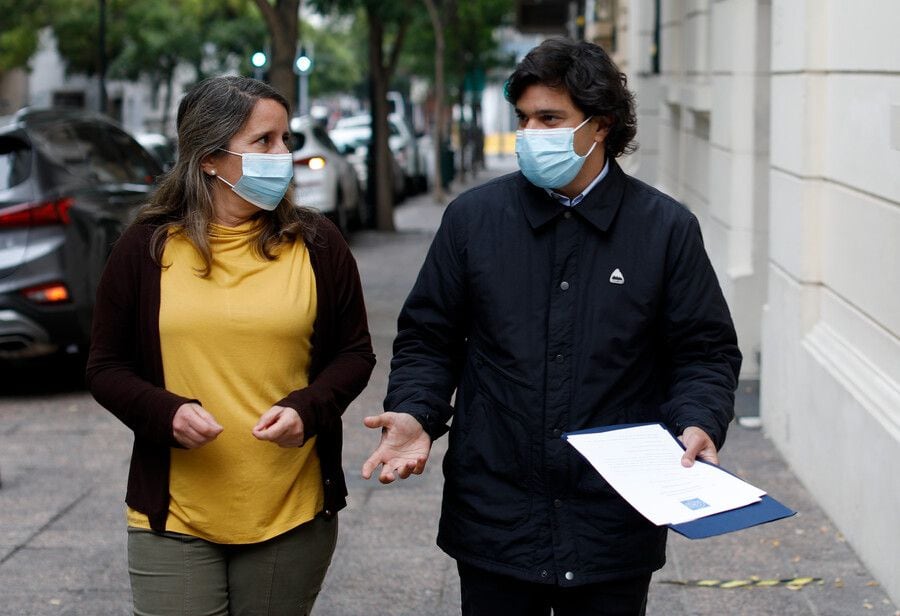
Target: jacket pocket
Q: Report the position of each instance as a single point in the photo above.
(487, 468)
(488, 370)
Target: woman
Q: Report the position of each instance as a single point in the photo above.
(230, 334)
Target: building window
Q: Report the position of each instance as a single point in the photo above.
(69, 99)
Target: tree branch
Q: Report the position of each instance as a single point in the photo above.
(396, 47)
(270, 15)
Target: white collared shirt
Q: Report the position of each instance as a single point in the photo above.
(579, 197)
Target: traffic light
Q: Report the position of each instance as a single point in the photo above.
(258, 59)
(303, 62)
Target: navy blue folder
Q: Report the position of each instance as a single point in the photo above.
(766, 510)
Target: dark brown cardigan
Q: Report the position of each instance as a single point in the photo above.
(125, 372)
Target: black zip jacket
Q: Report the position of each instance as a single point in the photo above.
(544, 319)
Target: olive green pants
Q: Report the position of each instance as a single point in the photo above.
(178, 574)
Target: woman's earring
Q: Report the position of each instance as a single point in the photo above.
(212, 172)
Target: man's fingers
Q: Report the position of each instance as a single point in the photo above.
(697, 443)
(370, 465)
(391, 470)
(406, 468)
(420, 465)
(388, 474)
(709, 455)
(376, 421)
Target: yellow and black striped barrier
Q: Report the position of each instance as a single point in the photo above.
(795, 583)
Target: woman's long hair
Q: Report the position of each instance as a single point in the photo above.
(208, 117)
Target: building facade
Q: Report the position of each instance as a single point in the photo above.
(778, 123)
(46, 83)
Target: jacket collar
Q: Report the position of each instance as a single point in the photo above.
(598, 208)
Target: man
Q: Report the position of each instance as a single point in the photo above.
(564, 297)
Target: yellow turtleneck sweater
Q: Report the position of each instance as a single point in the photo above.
(238, 341)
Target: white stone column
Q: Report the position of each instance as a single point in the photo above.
(640, 45)
(736, 227)
(831, 328)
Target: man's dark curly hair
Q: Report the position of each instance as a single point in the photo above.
(592, 80)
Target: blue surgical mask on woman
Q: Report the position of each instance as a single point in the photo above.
(264, 178)
(547, 156)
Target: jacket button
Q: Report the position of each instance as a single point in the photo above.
(328, 512)
(544, 573)
(328, 482)
(560, 359)
(570, 576)
(557, 503)
(564, 285)
(567, 215)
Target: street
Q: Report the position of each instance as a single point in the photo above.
(63, 464)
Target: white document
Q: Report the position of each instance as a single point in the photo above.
(643, 464)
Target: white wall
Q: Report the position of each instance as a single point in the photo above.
(47, 76)
(831, 335)
(705, 123)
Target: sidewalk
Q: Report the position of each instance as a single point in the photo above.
(64, 461)
(387, 564)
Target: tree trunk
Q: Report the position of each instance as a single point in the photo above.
(167, 101)
(477, 136)
(281, 21)
(378, 147)
(437, 134)
(462, 130)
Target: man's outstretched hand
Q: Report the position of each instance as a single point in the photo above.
(403, 450)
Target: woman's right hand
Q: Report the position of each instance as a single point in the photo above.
(193, 426)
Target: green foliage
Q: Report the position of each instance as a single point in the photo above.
(228, 30)
(156, 36)
(76, 27)
(143, 37)
(469, 27)
(19, 30)
(339, 57)
(390, 13)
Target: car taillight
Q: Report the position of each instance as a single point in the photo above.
(37, 214)
(313, 162)
(52, 293)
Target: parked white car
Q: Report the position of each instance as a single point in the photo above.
(160, 147)
(401, 140)
(356, 150)
(323, 178)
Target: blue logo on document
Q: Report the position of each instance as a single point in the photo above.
(694, 503)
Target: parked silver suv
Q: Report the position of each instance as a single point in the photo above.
(69, 182)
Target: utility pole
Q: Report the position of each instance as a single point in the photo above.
(437, 135)
(303, 64)
(101, 56)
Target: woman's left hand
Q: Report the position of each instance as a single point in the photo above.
(281, 425)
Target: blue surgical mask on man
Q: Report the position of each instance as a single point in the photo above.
(264, 178)
(547, 156)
